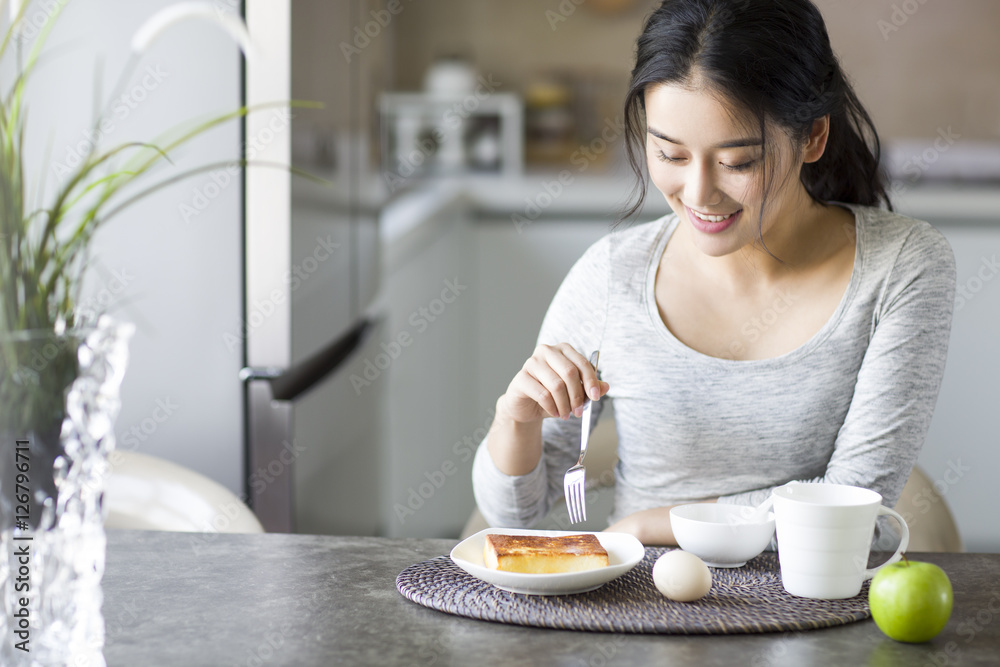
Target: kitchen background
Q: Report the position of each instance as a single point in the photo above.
(481, 197)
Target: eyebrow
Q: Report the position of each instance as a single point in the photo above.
(733, 143)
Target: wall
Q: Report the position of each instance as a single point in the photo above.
(939, 66)
(174, 272)
(336, 63)
(935, 64)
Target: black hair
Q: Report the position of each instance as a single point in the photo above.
(772, 61)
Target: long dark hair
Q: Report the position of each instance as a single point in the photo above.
(772, 60)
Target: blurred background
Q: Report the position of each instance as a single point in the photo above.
(475, 151)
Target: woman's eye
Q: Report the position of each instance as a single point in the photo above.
(740, 167)
(663, 157)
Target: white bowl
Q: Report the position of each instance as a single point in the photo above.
(720, 534)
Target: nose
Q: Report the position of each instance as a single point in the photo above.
(700, 188)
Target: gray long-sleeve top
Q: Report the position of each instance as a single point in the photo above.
(850, 406)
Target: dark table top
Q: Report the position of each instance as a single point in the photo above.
(191, 599)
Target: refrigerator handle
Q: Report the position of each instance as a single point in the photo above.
(290, 384)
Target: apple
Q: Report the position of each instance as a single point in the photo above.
(910, 601)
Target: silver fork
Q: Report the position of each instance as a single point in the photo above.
(574, 481)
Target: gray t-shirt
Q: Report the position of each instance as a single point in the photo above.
(850, 406)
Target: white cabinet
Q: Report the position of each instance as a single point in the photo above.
(426, 359)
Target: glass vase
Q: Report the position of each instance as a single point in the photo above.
(59, 397)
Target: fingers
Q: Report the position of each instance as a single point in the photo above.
(593, 387)
(563, 380)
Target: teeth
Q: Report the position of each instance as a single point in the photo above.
(711, 218)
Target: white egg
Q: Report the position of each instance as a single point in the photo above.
(681, 576)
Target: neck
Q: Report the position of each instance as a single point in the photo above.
(793, 239)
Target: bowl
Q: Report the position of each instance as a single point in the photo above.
(720, 534)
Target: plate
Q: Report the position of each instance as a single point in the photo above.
(624, 552)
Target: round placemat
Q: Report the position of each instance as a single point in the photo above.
(748, 599)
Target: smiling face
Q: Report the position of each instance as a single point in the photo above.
(710, 168)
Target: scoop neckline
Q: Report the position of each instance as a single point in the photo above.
(670, 224)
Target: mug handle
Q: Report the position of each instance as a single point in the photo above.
(904, 540)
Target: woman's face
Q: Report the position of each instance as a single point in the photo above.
(709, 168)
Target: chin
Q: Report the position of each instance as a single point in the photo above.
(716, 247)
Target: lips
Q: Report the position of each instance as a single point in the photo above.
(709, 223)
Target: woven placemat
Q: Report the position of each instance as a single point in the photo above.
(748, 599)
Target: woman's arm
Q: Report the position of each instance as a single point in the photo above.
(535, 437)
(651, 527)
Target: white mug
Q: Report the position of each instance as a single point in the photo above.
(824, 536)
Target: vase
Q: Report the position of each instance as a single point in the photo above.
(59, 397)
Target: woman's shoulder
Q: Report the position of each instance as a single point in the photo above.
(890, 237)
(631, 243)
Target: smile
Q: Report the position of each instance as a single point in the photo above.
(711, 224)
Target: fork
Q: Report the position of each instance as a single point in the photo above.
(575, 479)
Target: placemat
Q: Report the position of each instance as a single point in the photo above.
(748, 599)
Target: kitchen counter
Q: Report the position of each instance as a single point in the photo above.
(594, 194)
(210, 599)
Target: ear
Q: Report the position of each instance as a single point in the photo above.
(816, 143)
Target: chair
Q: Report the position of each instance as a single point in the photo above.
(149, 493)
(932, 526)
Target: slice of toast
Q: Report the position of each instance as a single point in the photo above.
(538, 554)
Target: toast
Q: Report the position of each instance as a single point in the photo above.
(537, 554)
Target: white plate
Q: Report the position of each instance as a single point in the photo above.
(624, 552)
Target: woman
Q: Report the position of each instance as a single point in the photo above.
(780, 325)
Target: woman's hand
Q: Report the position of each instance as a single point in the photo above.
(550, 384)
(555, 382)
(651, 527)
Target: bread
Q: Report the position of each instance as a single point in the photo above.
(537, 554)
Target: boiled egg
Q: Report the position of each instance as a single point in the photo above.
(681, 576)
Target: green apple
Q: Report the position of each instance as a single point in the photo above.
(911, 601)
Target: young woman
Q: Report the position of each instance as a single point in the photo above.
(781, 325)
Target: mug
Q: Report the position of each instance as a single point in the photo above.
(824, 536)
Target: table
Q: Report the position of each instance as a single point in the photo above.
(190, 599)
